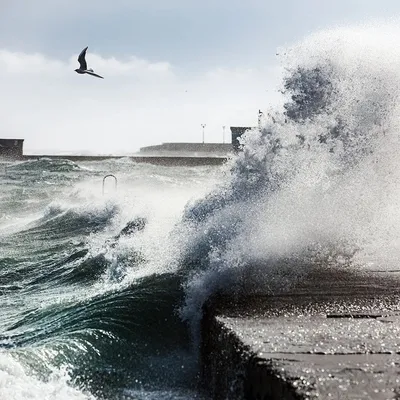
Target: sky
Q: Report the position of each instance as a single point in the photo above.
(169, 66)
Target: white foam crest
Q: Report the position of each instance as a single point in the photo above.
(159, 198)
(16, 383)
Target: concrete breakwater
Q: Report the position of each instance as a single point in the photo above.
(335, 335)
(189, 161)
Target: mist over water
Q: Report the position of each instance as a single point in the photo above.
(102, 295)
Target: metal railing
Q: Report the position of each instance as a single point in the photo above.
(110, 176)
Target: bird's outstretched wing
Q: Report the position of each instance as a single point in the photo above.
(81, 59)
(92, 73)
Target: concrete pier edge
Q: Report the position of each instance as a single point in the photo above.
(231, 370)
(343, 340)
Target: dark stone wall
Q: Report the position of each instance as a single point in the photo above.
(230, 370)
(11, 148)
(223, 359)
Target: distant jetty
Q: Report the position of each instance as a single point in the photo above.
(189, 149)
(168, 154)
(155, 160)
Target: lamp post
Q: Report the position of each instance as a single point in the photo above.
(203, 126)
(223, 134)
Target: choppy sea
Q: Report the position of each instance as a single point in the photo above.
(90, 287)
(101, 288)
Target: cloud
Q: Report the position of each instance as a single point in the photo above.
(22, 64)
(138, 103)
(133, 66)
(14, 63)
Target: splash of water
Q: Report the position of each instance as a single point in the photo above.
(319, 183)
(16, 383)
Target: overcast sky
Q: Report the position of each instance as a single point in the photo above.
(169, 66)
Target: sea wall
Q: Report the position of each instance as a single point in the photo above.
(179, 148)
(224, 359)
(332, 336)
(231, 370)
(155, 160)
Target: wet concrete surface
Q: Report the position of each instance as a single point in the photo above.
(335, 335)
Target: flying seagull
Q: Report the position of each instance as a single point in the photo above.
(83, 69)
